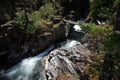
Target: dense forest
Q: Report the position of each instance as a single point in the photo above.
(28, 27)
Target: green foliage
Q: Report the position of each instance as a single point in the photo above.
(20, 19)
(116, 3)
(40, 19)
(94, 7)
(102, 9)
(48, 10)
(112, 42)
(112, 59)
(95, 71)
(111, 45)
(30, 29)
(105, 13)
(94, 29)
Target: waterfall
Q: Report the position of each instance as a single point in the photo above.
(70, 43)
(25, 69)
(77, 28)
(32, 68)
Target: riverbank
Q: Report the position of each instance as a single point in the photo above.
(18, 51)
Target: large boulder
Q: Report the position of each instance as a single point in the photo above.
(67, 63)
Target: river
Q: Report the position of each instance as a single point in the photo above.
(32, 68)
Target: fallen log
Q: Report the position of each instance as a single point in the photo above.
(71, 22)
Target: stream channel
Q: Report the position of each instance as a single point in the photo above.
(31, 67)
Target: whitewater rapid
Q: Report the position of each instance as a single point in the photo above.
(24, 69)
(32, 66)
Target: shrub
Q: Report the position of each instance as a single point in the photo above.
(40, 19)
(101, 10)
(94, 29)
(20, 19)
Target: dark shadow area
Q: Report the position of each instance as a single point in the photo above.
(80, 8)
(111, 65)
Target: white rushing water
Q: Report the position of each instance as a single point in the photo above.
(70, 43)
(77, 28)
(24, 69)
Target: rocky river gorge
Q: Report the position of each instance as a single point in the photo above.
(66, 62)
(59, 40)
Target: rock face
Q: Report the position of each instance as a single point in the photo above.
(12, 52)
(67, 63)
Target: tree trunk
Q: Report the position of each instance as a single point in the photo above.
(117, 19)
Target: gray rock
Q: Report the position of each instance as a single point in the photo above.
(64, 60)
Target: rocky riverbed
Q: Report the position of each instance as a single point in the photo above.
(70, 60)
(65, 63)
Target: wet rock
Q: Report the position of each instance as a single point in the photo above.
(66, 76)
(71, 60)
(14, 46)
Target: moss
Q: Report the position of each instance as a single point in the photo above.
(56, 25)
(94, 29)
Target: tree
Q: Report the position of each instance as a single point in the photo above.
(117, 17)
(101, 9)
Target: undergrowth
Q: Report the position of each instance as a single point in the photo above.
(107, 63)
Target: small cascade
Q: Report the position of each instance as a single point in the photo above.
(76, 33)
(26, 68)
(35, 68)
(70, 43)
(77, 28)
